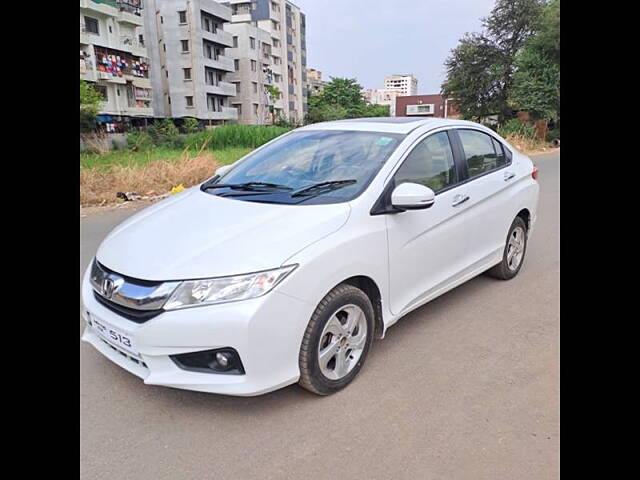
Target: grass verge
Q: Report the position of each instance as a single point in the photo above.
(148, 173)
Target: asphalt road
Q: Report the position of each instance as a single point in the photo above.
(466, 387)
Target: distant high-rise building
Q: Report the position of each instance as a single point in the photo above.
(315, 84)
(186, 40)
(113, 57)
(285, 24)
(405, 84)
(252, 54)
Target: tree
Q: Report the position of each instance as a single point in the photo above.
(90, 100)
(536, 82)
(341, 98)
(480, 69)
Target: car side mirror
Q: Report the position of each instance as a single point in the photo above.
(412, 196)
(222, 170)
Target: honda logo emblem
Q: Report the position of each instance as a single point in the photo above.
(107, 287)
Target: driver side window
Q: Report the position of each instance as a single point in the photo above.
(430, 163)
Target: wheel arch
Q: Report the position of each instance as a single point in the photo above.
(371, 289)
(525, 214)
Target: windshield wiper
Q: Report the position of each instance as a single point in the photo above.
(250, 186)
(322, 187)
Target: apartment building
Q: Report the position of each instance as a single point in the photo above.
(186, 42)
(252, 54)
(315, 84)
(285, 24)
(382, 96)
(113, 57)
(405, 84)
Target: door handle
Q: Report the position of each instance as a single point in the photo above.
(508, 176)
(459, 199)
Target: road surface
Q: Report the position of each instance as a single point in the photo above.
(465, 387)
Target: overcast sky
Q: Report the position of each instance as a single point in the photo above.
(370, 39)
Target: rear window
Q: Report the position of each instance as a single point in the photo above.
(482, 152)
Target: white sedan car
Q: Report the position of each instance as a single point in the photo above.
(285, 266)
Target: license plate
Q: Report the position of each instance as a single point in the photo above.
(113, 335)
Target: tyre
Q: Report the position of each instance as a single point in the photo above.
(514, 251)
(336, 341)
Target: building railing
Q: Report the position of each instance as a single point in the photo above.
(131, 6)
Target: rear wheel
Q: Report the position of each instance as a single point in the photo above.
(514, 251)
(337, 340)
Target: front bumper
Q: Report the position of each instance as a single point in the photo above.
(266, 332)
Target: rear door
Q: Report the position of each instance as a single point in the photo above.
(489, 176)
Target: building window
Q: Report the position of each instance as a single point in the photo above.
(237, 84)
(166, 72)
(185, 45)
(91, 25)
(255, 108)
(189, 101)
(254, 65)
(252, 43)
(187, 73)
(255, 87)
(236, 64)
(235, 42)
(210, 78)
(239, 107)
(162, 21)
(164, 47)
(183, 16)
(169, 99)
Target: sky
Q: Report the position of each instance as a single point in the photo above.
(371, 39)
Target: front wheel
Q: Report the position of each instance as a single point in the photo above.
(337, 340)
(514, 251)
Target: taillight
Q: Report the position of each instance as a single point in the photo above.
(534, 174)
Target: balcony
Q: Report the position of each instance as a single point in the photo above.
(139, 111)
(220, 36)
(126, 11)
(222, 88)
(222, 63)
(225, 113)
(131, 44)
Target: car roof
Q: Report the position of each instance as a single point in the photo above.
(402, 125)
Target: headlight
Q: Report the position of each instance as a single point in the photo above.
(208, 291)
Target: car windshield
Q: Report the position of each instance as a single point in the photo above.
(308, 167)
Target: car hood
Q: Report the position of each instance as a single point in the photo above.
(197, 235)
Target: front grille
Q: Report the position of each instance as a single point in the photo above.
(138, 316)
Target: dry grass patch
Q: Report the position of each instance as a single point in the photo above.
(100, 186)
(527, 144)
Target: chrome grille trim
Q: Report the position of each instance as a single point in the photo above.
(143, 295)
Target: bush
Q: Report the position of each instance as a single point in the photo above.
(515, 127)
(190, 125)
(165, 134)
(139, 141)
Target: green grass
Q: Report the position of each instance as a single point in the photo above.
(129, 158)
(248, 136)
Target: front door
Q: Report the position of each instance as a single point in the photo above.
(428, 248)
